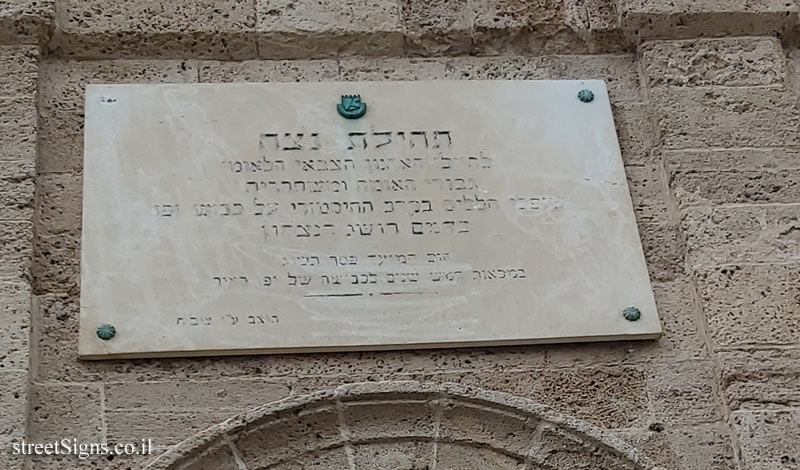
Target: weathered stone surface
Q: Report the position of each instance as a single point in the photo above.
(664, 249)
(296, 30)
(460, 422)
(73, 411)
(15, 249)
(760, 378)
(19, 65)
(750, 61)
(644, 19)
(597, 23)
(330, 458)
(407, 419)
(559, 448)
(18, 128)
(58, 205)
(715, 117)
(523, 27)
(394, 455)
(649, 193)
(16, 189)
(164, 428)
(100, 29)
(392, 69)
(747, 234)
(735, 176)
(706, 446)
(15, 320)
(268, 71)
(751, 304)
(461, 457)
(438, 27)
(56, 262)
(769, 440)
(25, 21)
(620, 72)
(14, 396)
(683, 393)
(218, 457)
(636, 132)
(184, 396)
(276, 441)
(654, 444)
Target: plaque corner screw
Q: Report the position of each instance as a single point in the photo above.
(106, 332)
(632, 313)
(587, 96)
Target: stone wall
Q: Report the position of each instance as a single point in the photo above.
(705, 98)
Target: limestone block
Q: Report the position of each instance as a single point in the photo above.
(734, 176)
(56, 317)
(164, 428)
(279, 440)
(683, 393)
(268, 71)
(752, 234)
(649, 193)
(597, 23)
(664, 250)
(706, 446)
(473, 425)
(392, 69)
(18, 128)
(13, 395)
(393, 455)
(410, 419)
(751, 304)
(620, 72)
(19, 65)
(66, 411)
(297, 30)
(333, 458)
(62, 95)
(653, 444)
(749, 61)
(56, 262)
(636, 132)
(25, 21)
(769, 440)
(645, 19)
(98, 29)
(17, 186)
(760, 378)
(726, 117)
(219, 457)
(60, 462)
(15, 249)
(464, 457)
(437, 27)
(559, 448)
(218, 395)
(58, 203)
(15, 319)
(523, 27)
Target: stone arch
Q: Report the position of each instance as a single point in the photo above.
(402, 425)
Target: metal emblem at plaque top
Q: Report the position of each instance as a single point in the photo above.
(256, 218)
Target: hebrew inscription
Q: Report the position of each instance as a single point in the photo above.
(230, 219)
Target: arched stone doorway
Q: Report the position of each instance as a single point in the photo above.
(403, 426)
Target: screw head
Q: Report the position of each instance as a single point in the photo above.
(106, 332)
(632, 313)
(586, 95)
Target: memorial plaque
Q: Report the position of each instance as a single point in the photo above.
(282, 217)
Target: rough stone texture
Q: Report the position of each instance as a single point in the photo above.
(150, 28)
(715, 117)
(25, 21)
(15, 319)
(16, 189)
(760, 378)
(644, 19)
(756, 61)
(704, 446)
(438, 27)
(770, 440)
(747, 234)
(267, 71)
(753, 304)
(683, 393)
(66, 411)
(288, 29)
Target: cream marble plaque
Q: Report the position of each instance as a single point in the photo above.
(253, 218)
